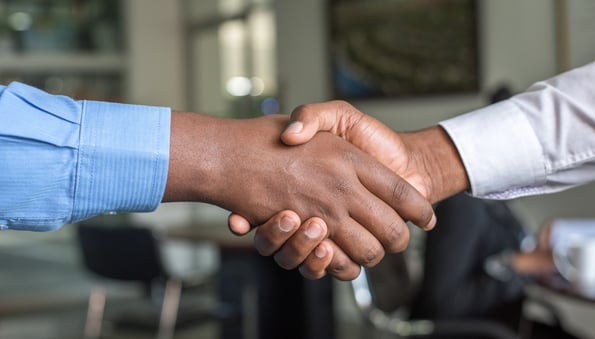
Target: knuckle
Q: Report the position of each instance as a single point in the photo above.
(372, 256)
(426, 213)
(401, 190)
(350, 274)
(283, 262)
(342, 104)
(263, 246)
(338, 267)
(301, 110)
(398, 238)
(309, 273)
(344, 188)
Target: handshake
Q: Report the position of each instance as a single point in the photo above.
(333, 194)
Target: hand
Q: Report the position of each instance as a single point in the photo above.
(540, 261)
(291, 245)
(536, 263)
(242, 166)
(427, 159)
(411, 155)
(299, 242)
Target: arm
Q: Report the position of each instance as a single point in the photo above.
(427, 158)
(415, 156)
(546, 133)
(326, 178)
(64, 161)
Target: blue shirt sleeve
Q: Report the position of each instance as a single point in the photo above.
(63, 161)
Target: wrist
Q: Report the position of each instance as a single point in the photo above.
(195, 157)
(435, 156)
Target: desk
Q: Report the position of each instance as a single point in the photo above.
(286, 305)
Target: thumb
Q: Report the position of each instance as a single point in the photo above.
(238, 225)
(307, 120)
(300, 130)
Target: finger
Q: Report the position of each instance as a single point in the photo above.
(333, 116)
(301, 244)
(341, 266)
(271, 235)
(344, 120)
(315, 265)
(238, 225)
(382, 221)
(357, 242)
(406, 202)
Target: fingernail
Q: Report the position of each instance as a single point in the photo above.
(320, 252)
(431, 224)
(313, 231)
(286, 224)
(295, 127)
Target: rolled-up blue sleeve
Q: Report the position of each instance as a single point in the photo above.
(62, 161)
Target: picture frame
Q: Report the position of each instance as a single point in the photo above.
(403, 48)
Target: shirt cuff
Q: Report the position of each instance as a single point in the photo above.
(123, 159)
(501, 153)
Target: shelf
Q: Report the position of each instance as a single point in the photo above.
(64, 62)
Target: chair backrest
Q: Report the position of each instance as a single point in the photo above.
(121, 252)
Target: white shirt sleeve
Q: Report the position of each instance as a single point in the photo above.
(539, 141)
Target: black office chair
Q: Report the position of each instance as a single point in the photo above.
(133, 254)
(383, 294)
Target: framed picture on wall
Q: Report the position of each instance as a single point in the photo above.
(403, 48)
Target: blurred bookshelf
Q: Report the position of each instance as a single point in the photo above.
(70, 47)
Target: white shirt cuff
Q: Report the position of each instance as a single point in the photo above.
(501, 153)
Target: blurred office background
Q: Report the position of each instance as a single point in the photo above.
(242, 58)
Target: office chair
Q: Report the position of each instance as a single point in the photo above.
(129, 253)
(382, 294)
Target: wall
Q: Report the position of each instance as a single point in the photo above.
(507, 28)
(518, 47)
(156, 51)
